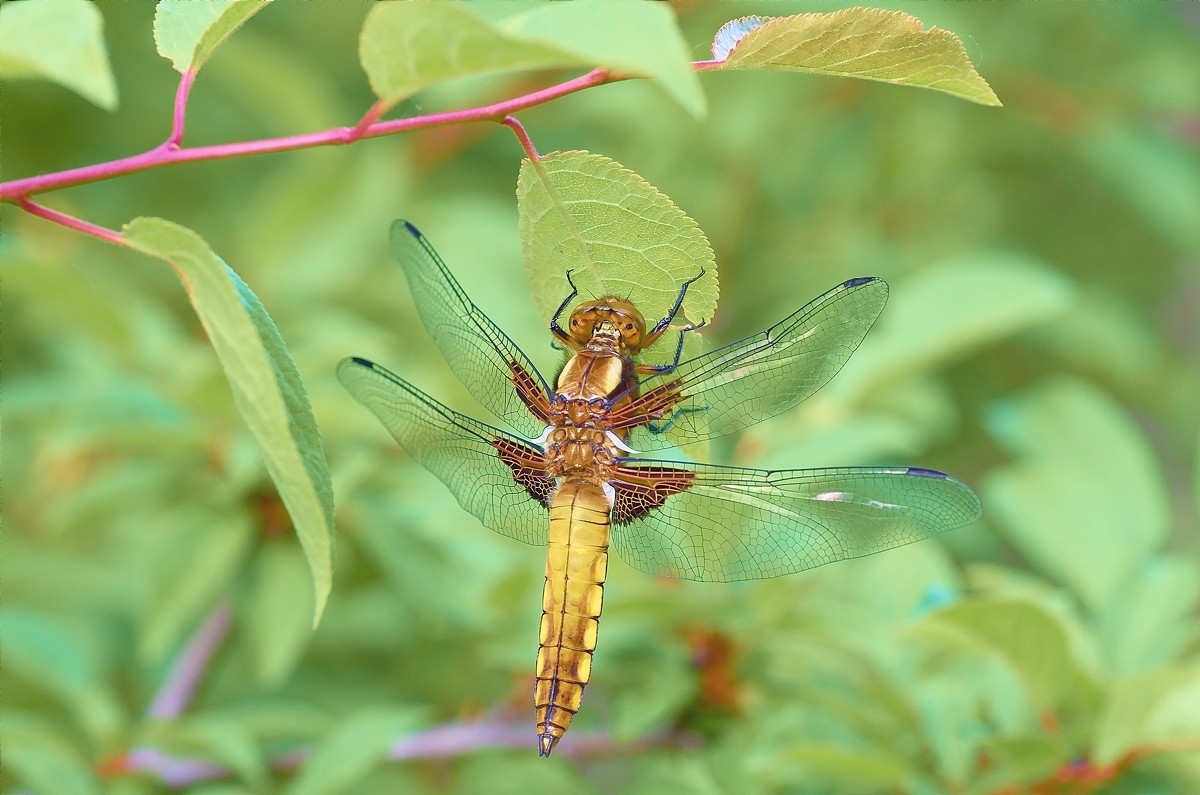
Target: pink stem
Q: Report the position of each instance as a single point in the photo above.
(522, 136)
(439, 742)
(169, 153)
(181, 98)
(70, 222)
(176, 693)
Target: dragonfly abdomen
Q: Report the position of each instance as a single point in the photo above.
(576, 563)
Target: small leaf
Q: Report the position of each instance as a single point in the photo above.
(408, 46)
(193, 581)
(43, 761)
(851, 767)
(1163, 704)
(618, 235)
(187, 32)
(866, 43)
(948, 310)
(1030, 639)
(1152, 623)
(1014, 761)
(1085, 498)
(634, 37)
(266, 387)
(276, 618)
(350, 750)
(61, 41)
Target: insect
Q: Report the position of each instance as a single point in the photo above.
(568, 476)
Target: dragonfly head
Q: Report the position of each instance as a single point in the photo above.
(609, 317)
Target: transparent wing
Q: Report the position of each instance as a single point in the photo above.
(495, 476)
(720, 524)
(489, 364)
(747, 381)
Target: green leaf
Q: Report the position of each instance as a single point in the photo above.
(41, 760)
(351, 749)
(1013, 761)
(276, 613)
(866, 43)
(408, 46)
(1163, 704)
(61, 41)
(1152, 623)
(852, 767)
(655, 687)
(1085, 498)
(1156, 174)
(1034, 642)
(266, 387)
(629, 36)
(187, 32)
(193, 580)
(949, 310)
(616, 233)
(212, 738)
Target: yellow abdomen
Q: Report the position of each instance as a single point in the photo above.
(576, 562)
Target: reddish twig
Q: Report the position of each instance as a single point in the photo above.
(69, 221)
(439, 742)
(170, 153)
(177, 691)
(522, 136)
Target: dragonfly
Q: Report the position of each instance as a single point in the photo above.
(570, 474)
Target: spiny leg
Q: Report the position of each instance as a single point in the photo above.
(556, 329)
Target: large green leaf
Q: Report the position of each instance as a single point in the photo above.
(1085, 498)
(1034, 642)
(867, 43)
(948, 310)
(1163, 704)
(266, 387)
(42, 760)
(350, 750)
(187, 32)
(616, 233)
(278, 632)
(192, 580)
(58, 40)
(408, 46)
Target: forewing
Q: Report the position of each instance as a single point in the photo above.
(495, 476)
(489, 364)
(747, 381)
(720, 524)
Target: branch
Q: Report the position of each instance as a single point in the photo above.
(170, 153)
(439, 742)
(177, 691)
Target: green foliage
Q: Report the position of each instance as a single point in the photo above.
(266, 385)
(1039, 343)
(406, 47)
(58, 40)
(867, 43)
(187, 33)
(616, 233)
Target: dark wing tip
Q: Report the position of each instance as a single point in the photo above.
(412, 230)
(859, 280)
(926, 473)
(361, 362)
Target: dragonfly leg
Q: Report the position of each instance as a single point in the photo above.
(661, 325)
(556, 329)
(659, 369)
(663, 427)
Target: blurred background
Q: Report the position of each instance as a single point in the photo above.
(1042, 343)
